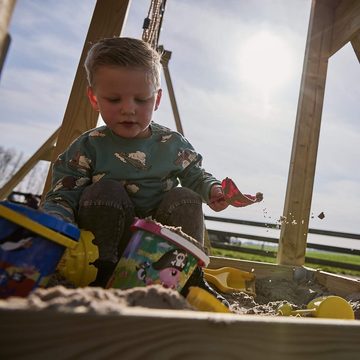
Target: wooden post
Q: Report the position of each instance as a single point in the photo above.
(346, 25)
(332, 25)
(165, 63)
(355, 42)
(292, 244)
(6, 10)
(107, 21)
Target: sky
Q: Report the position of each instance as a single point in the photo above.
(236, 69)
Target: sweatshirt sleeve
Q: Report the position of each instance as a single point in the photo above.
(71, 173)
(193, 175)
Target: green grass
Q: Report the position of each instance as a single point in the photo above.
(346, 258)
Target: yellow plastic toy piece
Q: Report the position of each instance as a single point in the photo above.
(228, 279)
(332, 307)
(75, 264)
(204, 301)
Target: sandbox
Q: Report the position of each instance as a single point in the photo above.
(157, 323)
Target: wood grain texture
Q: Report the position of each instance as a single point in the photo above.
(293, 236)
(346, 24)
(169, 334)
(166, 56)
(261, 269)
(339, 285)
(107, 21)
(355, 42)
(139, 333)
(6, 11)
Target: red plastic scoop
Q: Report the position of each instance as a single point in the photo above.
(235, 197)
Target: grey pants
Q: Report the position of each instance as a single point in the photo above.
(106, 210)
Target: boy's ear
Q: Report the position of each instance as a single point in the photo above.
(158, 98)
(92, 98)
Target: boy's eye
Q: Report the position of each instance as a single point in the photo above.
(141, 100)
(113, 100)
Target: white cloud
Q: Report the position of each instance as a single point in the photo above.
(241, 132)
(34, 95)
(24, 137)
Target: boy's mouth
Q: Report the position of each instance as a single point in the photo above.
(127, 123)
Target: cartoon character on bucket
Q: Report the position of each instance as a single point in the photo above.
(141, 272)
(169, 267)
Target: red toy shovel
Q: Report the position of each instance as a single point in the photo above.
(235, 197)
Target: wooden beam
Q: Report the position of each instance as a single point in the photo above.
(293, 236)
(166, 55)
(261, 269)
(140, 333)
(346, 24)
(337, 284)
(355, 42)
(6, 10)
(108, 19)
(40, 154)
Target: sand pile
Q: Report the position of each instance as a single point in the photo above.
(97, 300)
(270, 294)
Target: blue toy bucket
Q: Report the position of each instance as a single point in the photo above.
(31, 246)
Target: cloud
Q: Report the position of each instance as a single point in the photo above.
(24, 137)
(38, 74)
(34, 96)
(242, 132)
(339, 200)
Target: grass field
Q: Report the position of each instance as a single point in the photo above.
(344, 258)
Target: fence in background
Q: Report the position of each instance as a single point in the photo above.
(222, 240)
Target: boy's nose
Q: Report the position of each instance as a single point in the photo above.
(128, 108)
(127, 112)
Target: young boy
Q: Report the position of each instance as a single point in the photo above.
(131, 166)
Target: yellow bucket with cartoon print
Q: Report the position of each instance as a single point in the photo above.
(156, 254)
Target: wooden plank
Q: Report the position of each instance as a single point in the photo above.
(140, 333)
(293, 236)
(107, 21)
(6, 10)
(261, 269)
(4, 50)
(166, 55)
(346, 24)
(339, 285)
(355, 42)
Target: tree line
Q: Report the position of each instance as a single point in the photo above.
(10, 162)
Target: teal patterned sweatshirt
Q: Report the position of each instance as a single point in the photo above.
(147, 168)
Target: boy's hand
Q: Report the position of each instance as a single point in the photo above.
(217, 200)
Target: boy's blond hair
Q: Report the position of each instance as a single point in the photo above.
(125, 52)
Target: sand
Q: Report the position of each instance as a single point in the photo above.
(270, 295)
(94, 300)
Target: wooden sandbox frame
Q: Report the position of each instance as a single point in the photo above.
(141, 333)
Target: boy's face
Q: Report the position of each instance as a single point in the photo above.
(125, 99)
